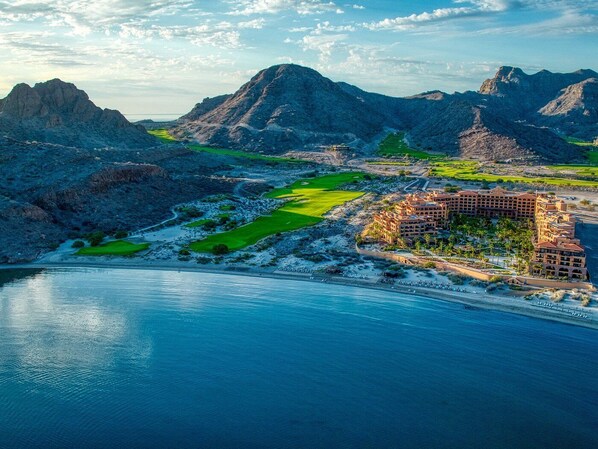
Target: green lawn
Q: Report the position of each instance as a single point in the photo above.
(310, 200)
(198, 223)
(394, 145)
(163, 135)
(581, 143)
(592, 154)
(469, 171)
(242, 154)
(403, 164)
(581, 170)
(115, 248)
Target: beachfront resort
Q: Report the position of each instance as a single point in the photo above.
(488, 224)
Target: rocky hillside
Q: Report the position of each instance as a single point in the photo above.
(575, 110)
(205, 106)
(565, 102)
(282, 108)
(51, 192)
(58, 112)
(512, 116)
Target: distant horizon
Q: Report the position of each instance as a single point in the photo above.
(146, 57)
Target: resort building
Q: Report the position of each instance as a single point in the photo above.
(424, 207)
(557, 253)
(395, 226)
(489, 203)
(436, 207)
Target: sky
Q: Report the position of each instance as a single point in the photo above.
(152, 57)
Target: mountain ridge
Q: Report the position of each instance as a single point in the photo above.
(58, 112)
(282, 107)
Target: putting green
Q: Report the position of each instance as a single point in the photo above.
(469, 171)
(310, 199)
(163, 135)
(115, 248)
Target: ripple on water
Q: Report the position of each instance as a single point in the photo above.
(121, 358)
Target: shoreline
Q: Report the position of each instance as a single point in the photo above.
(502, 303)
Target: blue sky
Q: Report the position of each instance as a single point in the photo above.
(162, 56)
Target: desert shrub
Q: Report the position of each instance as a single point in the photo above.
(456, 279)
(209, 225)
(220, 249)
(78, 244)
(95, 238)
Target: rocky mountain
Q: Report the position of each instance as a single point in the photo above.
(565, 102)
(51, 192)
(575, 111)
(512, 116)
(58, 112)
(281, 108)
(205, 106)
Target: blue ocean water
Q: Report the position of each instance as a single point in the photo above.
(132, 358)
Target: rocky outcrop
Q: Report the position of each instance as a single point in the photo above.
(206, 105)
(458, 128)
(58, 112)
(26, 231)
(282, 108)
(565, 102)
(50, 192)
(575, 111)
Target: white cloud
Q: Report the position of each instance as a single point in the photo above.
(255, 24)
(474, 8)
(569, 22)
(324, 44)
(302, 7)
(82, 17)
(219, 34)
(480, 8)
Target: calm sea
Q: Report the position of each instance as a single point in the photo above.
(131, 358)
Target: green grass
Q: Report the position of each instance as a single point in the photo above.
(581, 170)
(115, 248)
(163, 135)
(402, 164)
(581, 143)
(243, 155)
(394, 145)
(469, 171)
(198, 223)
(310, 199)
(592, 154)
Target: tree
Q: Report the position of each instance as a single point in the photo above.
(220, 249)
(78, 244)
(95, 238)
(121, 234)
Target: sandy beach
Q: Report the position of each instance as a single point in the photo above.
(469, 296)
